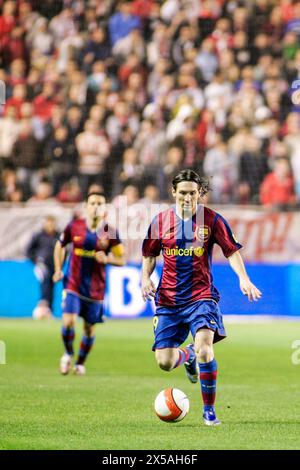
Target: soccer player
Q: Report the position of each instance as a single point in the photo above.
(94, 245)
(40, 251)
(186, 298)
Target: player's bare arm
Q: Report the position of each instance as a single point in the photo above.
(116, 257)
(148, 288)
(59, 256)
(246, 286)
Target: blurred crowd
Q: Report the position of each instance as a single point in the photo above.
(123, 94)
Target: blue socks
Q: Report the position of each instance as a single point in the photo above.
(208, 382)
(85, 347)
(68, 335)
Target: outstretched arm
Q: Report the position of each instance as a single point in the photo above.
(246, 286)
(148, 288)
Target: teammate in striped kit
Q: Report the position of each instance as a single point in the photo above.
(186, 298)
(94, 245)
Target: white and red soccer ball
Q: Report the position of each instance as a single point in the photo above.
(171, 405)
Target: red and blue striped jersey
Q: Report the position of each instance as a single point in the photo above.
(84, 275)
(187, 247)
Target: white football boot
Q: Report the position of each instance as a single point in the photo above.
(65, 364)
(79, 369)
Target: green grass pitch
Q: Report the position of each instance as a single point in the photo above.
(258, 396)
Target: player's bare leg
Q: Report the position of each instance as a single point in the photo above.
(208, 374)
(166, 358)
(170, 358)
(86, 345)
(68, 333)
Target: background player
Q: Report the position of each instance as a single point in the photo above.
(40, 251)
(94, 245)
(186, 299)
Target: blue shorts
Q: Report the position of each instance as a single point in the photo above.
(173, 324)
(91, 312)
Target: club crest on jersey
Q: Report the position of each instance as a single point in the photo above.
(202, 233)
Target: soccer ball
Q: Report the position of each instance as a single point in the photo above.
(41, 312)
(172, 405)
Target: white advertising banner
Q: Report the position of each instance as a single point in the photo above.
(266, 236)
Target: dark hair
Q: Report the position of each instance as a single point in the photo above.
(190, 175)
(94, 193)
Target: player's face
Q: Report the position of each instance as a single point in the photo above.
(95, 207)
(186, 197)
(50, 225)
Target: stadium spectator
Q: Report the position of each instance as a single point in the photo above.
(151, 195)
(206, 129)
(62, 26)
(16, 48)
(187, 39)
(97, 77)
(129, 172)
(73, 121)
(207, 59)
(292, 140)
(277, 188)
(17, 73)
(70, 192)
(128, 197)
(130, 64)
(96, 49)
(43, 194)
(120, 118)
(173, 164)
(253, 168)
(125, 140)
(135, 87)
(132, 44)
(122, 23)
(29, 19)
(151, 144)
(160, 69)
(195, 70)
(193, 154)
(43, 41)
(220, 164)
(92, 150)
(16, 195)
(63, 162)
(10, 189)
(17, 99)
(44, 103)
(26, 157)
(7, 24)
(9, 131)
(160, 45)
